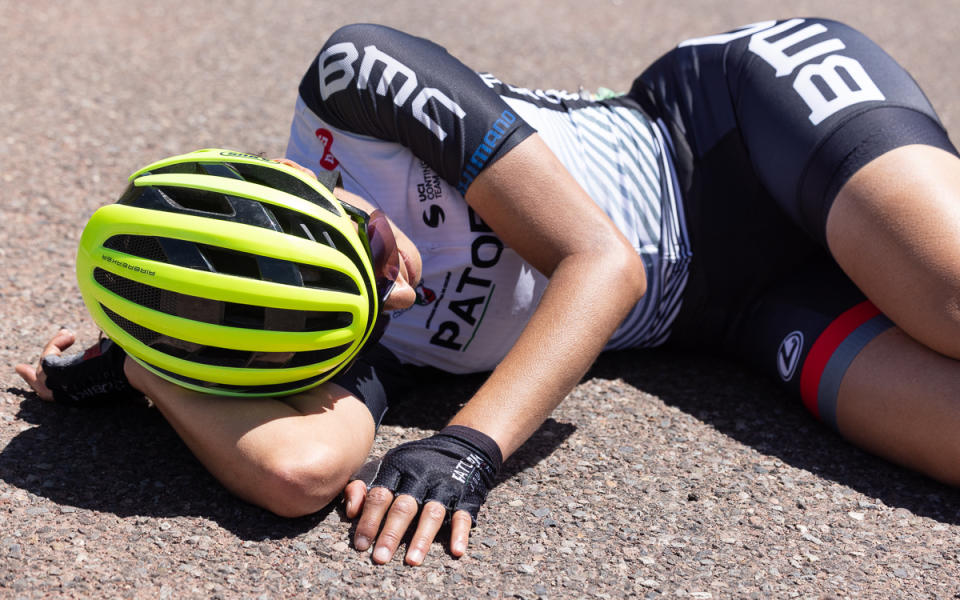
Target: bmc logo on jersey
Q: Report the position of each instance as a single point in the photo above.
(788, 355)
(337, 69)
(843, 77)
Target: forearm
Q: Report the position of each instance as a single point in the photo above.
(596, 277)
(289, 455)
(566, 333)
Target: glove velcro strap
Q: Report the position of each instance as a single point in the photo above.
(480, 442)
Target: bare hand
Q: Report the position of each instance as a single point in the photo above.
(400, 512)
(34, 376)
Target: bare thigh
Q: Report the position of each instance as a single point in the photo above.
(894, 228)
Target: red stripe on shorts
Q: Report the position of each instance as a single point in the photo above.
(826, 345)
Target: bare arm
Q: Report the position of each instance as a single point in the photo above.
(596, 277)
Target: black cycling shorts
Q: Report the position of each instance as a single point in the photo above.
(768, 122)
(805, 102)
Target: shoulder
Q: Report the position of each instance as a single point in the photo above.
(378, 82)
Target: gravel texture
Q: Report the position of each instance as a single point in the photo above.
(662, 475)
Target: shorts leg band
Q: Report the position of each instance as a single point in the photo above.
(831, 355)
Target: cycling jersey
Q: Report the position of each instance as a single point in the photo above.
(720, 166)
(410, 128)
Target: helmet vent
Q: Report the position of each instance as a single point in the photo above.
(138, 293)
(302, 359)
(229, 314)
(327, 321)
(271, 177)
(229, 262)
(327, 279)
(309, 228)
(137, 245)
(198, 200)
(222, 357)
(281, 180)
(144, 335)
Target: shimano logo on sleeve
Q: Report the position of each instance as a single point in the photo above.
(485, 150)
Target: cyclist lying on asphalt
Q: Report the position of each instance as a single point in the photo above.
(782, 194)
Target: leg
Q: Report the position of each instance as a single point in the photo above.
(291, 456)
(883, 160)
(899, 400)
(856, 371)
(894, 228)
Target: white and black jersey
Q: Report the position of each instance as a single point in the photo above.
(410, 127)
(756, 130)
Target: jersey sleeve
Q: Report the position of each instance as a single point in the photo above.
(376, 81)
(374, 378)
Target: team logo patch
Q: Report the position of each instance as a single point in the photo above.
(788, 355)
(328, 161)
(425, 296)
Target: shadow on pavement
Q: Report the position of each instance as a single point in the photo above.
(437, 396)
(755, 412)
(128, 461)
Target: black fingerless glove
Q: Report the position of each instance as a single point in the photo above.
(455, 467)
(93, 376)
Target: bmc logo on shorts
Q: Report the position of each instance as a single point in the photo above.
(788, 355)
(826, 87)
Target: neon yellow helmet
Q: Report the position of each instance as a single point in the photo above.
(229, 273)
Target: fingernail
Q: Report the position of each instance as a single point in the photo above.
(459, 547)
(361, 543)
(381, 554)
(415, 556)
(349, 506)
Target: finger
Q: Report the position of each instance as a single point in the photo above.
(375, 506)
(28, 373)
(460, 532)
(402, 512)
(431, 518)
(354, 493)
(59, 342)
(36, 379)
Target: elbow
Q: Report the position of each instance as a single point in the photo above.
(300, 484)
(626, 267)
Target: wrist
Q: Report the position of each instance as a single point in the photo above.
(479, 440)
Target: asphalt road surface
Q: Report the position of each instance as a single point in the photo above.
(661, 475)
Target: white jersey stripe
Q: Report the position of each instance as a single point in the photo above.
(622, 160)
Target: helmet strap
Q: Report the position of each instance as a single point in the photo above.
(330, 179)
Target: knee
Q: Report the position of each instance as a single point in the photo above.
(939, 327)
(302, 482)
(930, 317)
(951, 341)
